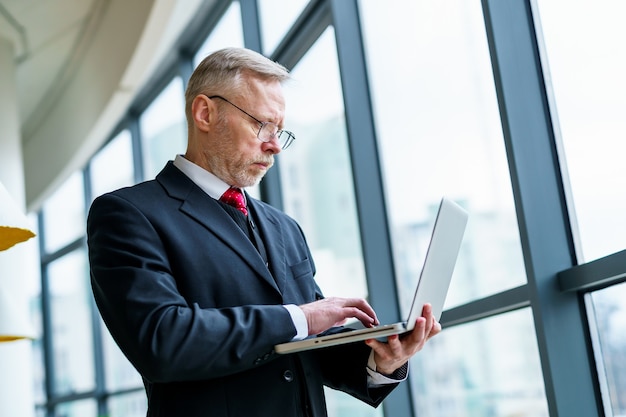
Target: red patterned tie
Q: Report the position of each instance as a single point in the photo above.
(234, 197)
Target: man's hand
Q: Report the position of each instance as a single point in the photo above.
(328, 312)
(399, 349)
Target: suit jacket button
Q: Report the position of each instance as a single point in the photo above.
(288, 375)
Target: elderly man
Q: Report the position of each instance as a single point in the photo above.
(197, 281)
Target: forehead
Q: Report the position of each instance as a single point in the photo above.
(263, 96)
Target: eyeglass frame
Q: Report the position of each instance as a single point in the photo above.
(279, 132)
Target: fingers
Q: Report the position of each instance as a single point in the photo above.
(328, 312)
(432, 325)
(398, 350)
(414, 341)
(361, 310)
(388, 356)
(425, 328)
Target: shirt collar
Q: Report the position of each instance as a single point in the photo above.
(204, 179)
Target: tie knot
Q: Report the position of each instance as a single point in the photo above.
(234, 197)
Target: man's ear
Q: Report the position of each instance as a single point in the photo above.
(202, 112)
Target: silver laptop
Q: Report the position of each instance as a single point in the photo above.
(432, 286)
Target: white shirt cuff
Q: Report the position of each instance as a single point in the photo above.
(299, 321)
(376, 379)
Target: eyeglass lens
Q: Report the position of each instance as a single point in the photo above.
(270, 130)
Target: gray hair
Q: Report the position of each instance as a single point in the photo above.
(220, 73)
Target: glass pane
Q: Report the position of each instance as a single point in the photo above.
(83, 408)
(276, 17)
(439, 134)
(119, 373)
(228, 32)
(340, 405)
(128, 405)
(71, 315)
(39, 370)
(587, 61)
(318, 187)
(608, 311)
(487, 368)
(164, 128)
(112, 167)
(64, 214)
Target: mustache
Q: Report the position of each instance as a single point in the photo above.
(269, 161)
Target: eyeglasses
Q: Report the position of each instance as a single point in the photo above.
(268, 130)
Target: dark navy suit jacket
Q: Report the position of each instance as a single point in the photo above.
(193, 306)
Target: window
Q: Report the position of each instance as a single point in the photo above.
(66, 211)
(608, 318)
(112, 167)
(486, 368)
(78, 409)
(586, 63)
(164, 128)
(317, 183)
(228, 32)
(128, 405)
(276, 18)
(70, 300)
(439, 133)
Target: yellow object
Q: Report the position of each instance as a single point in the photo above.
(13, 230)
(13, 223)
(10, 236)
(8, 338)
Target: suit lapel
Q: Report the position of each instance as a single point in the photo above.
(207, 211)
(273, 238)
